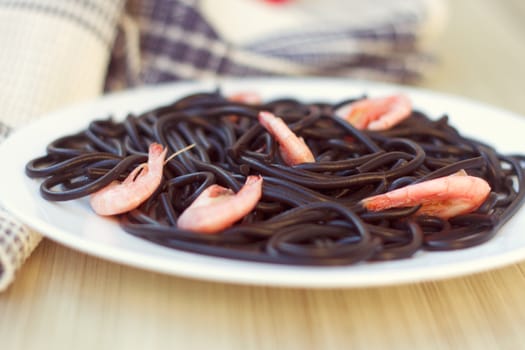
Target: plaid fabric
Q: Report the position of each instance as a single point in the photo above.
(96, 17)
(168, 40)
(54, 52)
(16, 241)
(16, 244)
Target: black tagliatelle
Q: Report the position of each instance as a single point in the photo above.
(309, 214)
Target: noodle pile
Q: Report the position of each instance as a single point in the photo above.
(309, 214)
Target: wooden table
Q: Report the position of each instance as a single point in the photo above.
(63, 299)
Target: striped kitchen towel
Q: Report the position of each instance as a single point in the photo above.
(166, 40)
(54, 53)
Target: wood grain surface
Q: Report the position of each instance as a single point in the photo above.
(63, 299)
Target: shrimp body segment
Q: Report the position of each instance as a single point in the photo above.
(293, 149)
(139, 185)
(444, 197)
(247, 97)
(218, 208)
(380, 113)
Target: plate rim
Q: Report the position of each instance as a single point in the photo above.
(420, 274)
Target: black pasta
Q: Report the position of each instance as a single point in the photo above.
(309, 214)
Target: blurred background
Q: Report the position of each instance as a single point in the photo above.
(481, 53)
(375, 40)
(75, 50)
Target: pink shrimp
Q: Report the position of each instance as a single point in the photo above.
(293, 149)
(444, 197)
(120, 197)
(376, 113)
(218, 208)
(247, 97)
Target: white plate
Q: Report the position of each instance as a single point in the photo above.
(73, 223)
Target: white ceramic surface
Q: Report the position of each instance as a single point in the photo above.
(73, 223)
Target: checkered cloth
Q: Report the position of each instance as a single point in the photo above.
(167, 40)
(57, 52)
(54, 53)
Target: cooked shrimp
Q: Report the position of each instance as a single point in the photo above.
(293, 149)
(444, 197)
(376, 113)
(218, 208)
(247, 97)
(121, 197)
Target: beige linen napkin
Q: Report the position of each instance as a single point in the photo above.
(54, 53)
